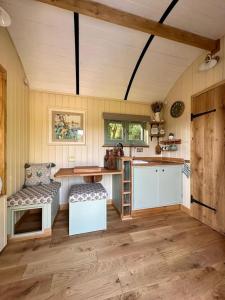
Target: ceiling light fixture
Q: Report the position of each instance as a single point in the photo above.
(209, 62)
(5, 19)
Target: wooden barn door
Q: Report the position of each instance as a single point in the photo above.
(208, 157)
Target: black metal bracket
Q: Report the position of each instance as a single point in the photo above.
(193, 200)
(77, 50)
(161, 21)
(193, 116)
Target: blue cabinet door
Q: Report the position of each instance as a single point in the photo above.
(145, 187)
(170, 185)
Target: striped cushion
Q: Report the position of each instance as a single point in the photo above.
(87, 192)
(37, 194)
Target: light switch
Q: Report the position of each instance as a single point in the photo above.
(139, 149)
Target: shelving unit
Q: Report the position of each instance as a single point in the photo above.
(122, 188)
(158, 125)
(126, 188)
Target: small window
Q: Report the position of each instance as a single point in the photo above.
(135, 132)
(115, 131)
(126, 132)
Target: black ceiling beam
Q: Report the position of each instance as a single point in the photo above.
(162, 19)
(77, 50)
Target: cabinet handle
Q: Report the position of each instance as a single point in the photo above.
(163, 170)
(156, 171)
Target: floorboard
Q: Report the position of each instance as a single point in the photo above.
(164, 256)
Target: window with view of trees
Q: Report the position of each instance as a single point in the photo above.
(126, 132)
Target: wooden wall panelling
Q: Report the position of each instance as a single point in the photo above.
(3, 129)
(17, 105)
(219, 153)
(92, 152)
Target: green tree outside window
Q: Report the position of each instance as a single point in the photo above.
(127, 132)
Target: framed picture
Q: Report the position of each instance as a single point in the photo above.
(66, 127)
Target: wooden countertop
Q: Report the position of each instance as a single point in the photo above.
(157, 161)
(68, 172)
(154, 163)
(151, 161)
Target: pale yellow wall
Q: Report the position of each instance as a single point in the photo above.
(191, 82)
(17, 113)
(90, 154)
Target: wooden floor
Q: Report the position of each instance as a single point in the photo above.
(164, 256)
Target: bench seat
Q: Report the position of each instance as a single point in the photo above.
(43, 196)
(87, 208)
(33, 195)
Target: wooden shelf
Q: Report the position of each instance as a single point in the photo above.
(171, 142)
(126, 204)
(169, 150)
(68, 172)
(127, 146)
(157, 123)
(157, 135)
(122, 188)
(126, 217)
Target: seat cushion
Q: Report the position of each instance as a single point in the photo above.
(87, 192)
(36, 174)
(37, 194)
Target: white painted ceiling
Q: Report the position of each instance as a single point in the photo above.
(44, 38)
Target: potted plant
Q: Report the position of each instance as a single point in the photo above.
(156, 108)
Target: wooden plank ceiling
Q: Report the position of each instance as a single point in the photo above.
(44, 38)
(119, 17)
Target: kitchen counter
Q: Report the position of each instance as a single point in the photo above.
(157, 161)
(146, 182)
(156, 182)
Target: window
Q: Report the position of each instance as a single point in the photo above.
(129, 133)
(135, 132)
(115, 131)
